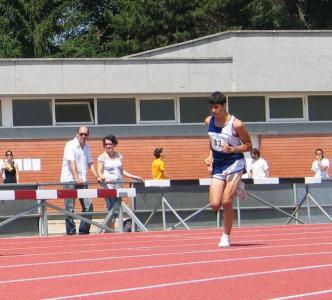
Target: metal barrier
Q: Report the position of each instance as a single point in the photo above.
(41, 201)
(171, 198)
(22, 215)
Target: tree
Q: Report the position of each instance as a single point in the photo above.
(85, 24)
(99, 28)
(32, 25)
(147, 24)
(317, 13)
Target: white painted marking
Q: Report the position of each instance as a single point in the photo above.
(7, 195)
(87, 193)
(178, 233)
(157, 182)
(169, 240)
(162, 266)
(268, 180)
(312, 180)
(304, 295)
(165, 254)
(126, 192)
(46, 194)
(192, 281)
(204, 181)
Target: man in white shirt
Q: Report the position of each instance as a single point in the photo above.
(77, 160)
(320, 165)
(259, 167)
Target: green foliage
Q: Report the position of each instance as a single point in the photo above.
(32, 25)
(147, 24)
(100, 28)
(317, 13)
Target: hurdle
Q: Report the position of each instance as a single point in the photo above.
(164, 204)
(162, 184)
(308, 198)
(44, 196)
(167, 200)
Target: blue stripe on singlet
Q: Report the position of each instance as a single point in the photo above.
(219, 157)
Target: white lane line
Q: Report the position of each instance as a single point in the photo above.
(267, 228)
(238, 248)
(174, 265)
(177, 253)
(110, 242)
(162, 234)
(192, 281)
(170, 239)
(304, 295)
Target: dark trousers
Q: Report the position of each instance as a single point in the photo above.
(86, 205)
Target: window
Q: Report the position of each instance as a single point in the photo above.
(247, 109)
(74, 111)
(286, 108)
(320, 108)
(157, 110)
(193, 109)
(32, 112)
(116, 111)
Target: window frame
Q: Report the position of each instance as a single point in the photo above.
(156, 98)
(307, 101)
(1, 112)
(73, 102)
(11, 104)
(250, 95)
(179, 108)
(111, 98)
(285, 120)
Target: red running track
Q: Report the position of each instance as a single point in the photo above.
(275, 262)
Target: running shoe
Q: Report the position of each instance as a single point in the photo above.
(225, 240)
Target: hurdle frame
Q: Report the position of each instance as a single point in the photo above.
(43, 203)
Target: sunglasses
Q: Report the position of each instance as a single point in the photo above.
(108, 144)
(83, 134)
(9, 154)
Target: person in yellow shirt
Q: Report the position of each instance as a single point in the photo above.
(158, 169)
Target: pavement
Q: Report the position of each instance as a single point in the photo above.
(57, 227)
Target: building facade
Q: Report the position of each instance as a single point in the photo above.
(278, 82)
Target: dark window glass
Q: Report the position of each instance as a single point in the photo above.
(116, 111)
(157, 110)
(247, 109)
(320, 108)
(193, 109)
(286, 108)
(74, 111)
(32, 112)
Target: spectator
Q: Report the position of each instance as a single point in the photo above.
(320, 165)
(9, 169)
(158, 168)
(110, 171)
(259, 167)
(77, 160)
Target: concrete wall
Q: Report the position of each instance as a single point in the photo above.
(112, 76)
(254, 61)
(265, 60)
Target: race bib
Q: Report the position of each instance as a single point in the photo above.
(218, 140)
